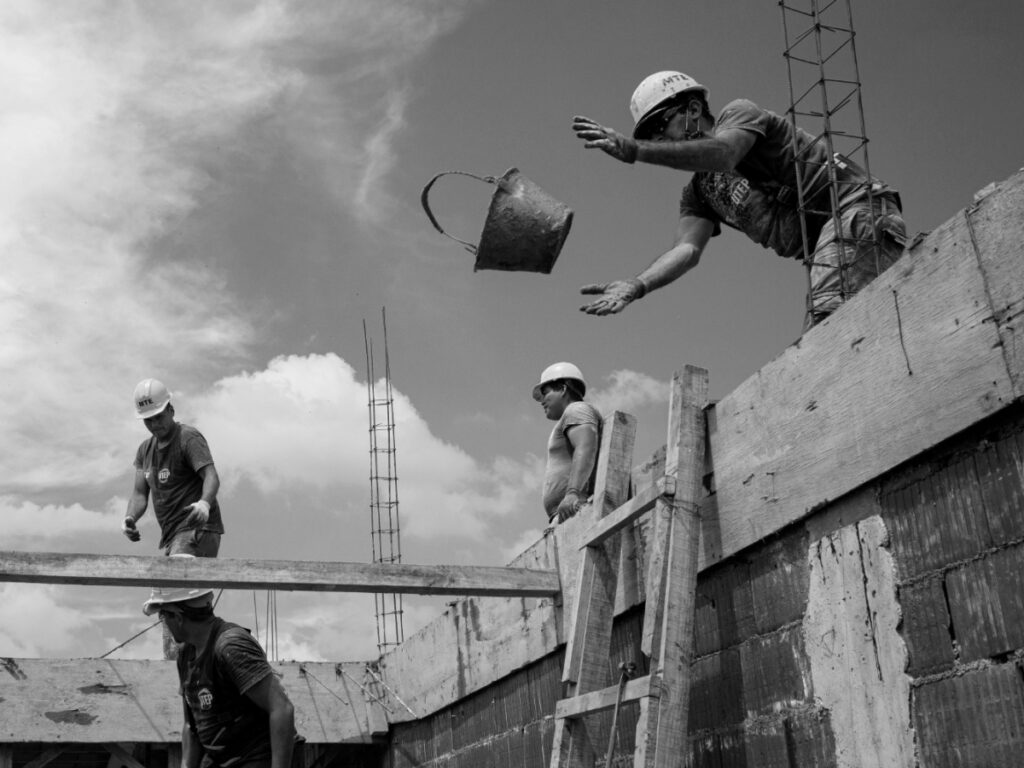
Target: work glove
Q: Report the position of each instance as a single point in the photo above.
(129, 530)
(198, 514)
(611, 141)
(614, 296)
(568, 507)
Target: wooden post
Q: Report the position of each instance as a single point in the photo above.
(661, 727)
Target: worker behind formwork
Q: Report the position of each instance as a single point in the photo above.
(236, 711)
(574, 440)
(176, 467)
(746, 178)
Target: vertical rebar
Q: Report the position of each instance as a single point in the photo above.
(385, 532)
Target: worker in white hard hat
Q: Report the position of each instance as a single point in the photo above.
(175, 467)
(574, 440)
(236, 711)
(745, 176)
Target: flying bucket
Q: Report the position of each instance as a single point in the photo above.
(525, 226)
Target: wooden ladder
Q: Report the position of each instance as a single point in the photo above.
(671, 578)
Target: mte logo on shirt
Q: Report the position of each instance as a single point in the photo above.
(205, 696)
(164, 474)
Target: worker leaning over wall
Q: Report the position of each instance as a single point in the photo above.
(746, 177)
(574, 441)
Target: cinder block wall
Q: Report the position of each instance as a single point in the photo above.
(764, 689)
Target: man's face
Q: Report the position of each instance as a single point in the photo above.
(161, 424)
(173, 620)
(553, 399)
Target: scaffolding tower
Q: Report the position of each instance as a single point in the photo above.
(385, 534)
(824, 84)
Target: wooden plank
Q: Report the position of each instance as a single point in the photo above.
(6, 756)
(625, 515)
(299, 575)
(604, 699)
(586, 666)
(664, 725)
(997, 230)
(911, 360)
(116, 701)
(122, 756)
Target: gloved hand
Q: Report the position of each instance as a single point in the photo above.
(569, 506)
(607, 139)
(614, 296)
(129, 530)
(198, 514)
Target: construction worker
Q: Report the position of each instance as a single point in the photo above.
(175, 466)
(574, 440)
(236, 711)
(746, 177)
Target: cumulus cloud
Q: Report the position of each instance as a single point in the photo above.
(302, 423)
(628, 391)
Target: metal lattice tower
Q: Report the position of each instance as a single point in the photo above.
(824, 84)
(385, 535)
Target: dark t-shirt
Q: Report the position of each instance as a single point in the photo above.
(229, 726)
(172, 474)
(759, 196)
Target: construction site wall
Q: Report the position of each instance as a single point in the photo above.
(885, 630)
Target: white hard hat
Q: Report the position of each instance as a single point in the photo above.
(559, 371)
(151, 397)
(193, 597)
(654, 91)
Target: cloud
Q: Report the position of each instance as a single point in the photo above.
(302, 423)
(628, 391)
(119, 123)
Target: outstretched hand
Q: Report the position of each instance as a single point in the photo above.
(597, 136)
(614, 296)
(198, 514)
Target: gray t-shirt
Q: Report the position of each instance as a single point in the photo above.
(556, 475)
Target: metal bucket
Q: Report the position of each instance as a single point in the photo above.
(525, 226)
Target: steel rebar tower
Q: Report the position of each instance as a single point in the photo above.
(385, 534)
(824, 83)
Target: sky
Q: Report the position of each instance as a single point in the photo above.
(218, 195)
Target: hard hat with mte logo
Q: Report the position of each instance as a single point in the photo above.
(655, 94)
(151, 397)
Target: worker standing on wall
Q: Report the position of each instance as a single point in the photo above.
(236, 711)
(746, 177)
(574, 440)
(176, 467)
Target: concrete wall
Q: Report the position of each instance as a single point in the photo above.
(885, 630)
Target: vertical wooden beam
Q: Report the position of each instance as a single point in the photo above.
(586, 665)
(122, 756)
(661, 727)
(46, 757)
(6, 756)
(174, 755)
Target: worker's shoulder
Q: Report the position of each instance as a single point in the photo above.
(740, 107)
(233, 638)
(581, 410)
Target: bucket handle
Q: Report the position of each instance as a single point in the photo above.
(430, 215)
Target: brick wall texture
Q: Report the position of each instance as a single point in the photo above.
(955, 518)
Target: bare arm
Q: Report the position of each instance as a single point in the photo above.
(692, 234)
(137, 503)
(583, 439)
(211, 483)
(269, 695)
(199, 511)
(721, 152)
